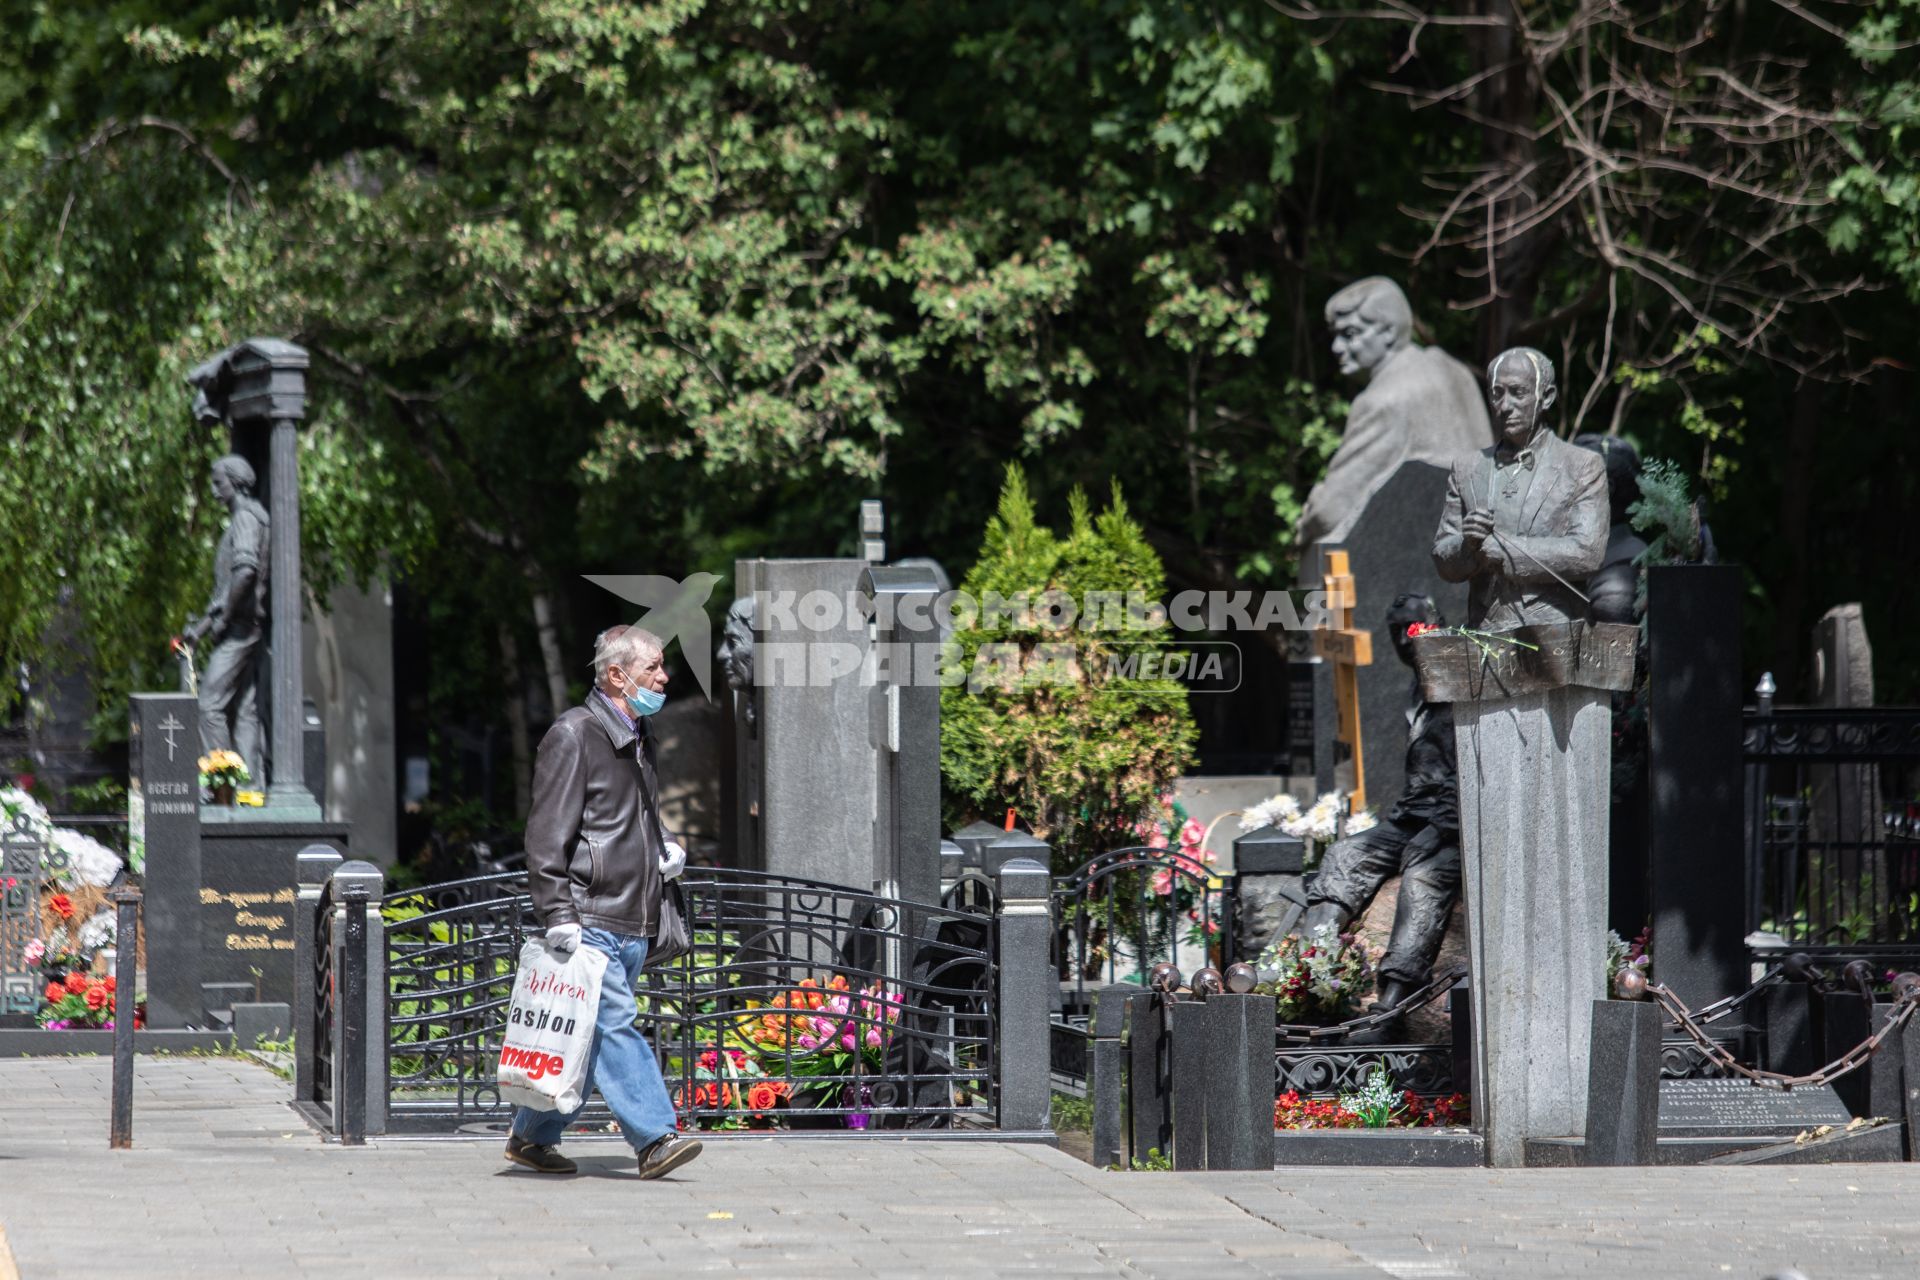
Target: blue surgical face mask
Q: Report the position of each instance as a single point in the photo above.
(644, 702)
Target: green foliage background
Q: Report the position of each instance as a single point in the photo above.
(644, 287)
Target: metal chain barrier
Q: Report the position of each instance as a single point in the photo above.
(1907, 999)
(1298, 1033)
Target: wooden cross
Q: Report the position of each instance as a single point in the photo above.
(1348, 648)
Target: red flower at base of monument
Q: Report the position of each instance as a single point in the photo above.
(55, 992)
(1417, 629)
(97, 997)
(76, 983)
(61, 905)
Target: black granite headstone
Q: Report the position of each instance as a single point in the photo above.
(1697, 780)
(1789, 1023)
(1390, 552)
(1106, 1074)
(1844, 1020)
(1189, 1057)
(1240, 1082)
(1269, 893)
(1886, 1080)
(1149, 1092)
(1623, 1083)
(246, 904)
(1730, 1107)
(163, 819)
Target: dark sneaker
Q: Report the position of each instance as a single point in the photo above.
(668, 1154)
(538, 1157)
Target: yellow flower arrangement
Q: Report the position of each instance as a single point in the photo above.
(222, 769)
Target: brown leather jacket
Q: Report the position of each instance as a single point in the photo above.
(594, 841)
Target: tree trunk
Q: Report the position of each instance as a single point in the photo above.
(1507, 102)
(548, 634)
(1790, 620)
(514, 687)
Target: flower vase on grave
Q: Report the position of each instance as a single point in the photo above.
(223, 793)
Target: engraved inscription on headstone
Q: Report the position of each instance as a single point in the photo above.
(1712, 1108)
(25, 861)
(249, 919)
(245, 905)
(163, 813)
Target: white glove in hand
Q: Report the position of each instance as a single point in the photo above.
(673, 861)
(563, 940)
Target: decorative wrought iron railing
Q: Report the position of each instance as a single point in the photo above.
(801, 1005)
(1126, 910)
(1328, 1071)
(1833, 830)
(325, 998)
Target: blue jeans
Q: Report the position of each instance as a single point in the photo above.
(621, 1063)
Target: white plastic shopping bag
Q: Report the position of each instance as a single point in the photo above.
(543, 1063)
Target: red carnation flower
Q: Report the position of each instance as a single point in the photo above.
(76, 982)
(61, 905)
(55, 993)
(97, 997)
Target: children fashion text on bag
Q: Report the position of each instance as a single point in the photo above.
(544, 1060)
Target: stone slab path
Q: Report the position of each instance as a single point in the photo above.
(224, 1180)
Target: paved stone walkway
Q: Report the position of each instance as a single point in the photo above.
(225, 1180)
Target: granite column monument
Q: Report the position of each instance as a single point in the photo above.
(1523, 522)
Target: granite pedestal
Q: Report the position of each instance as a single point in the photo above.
(1623, 1083)
(1533, 832)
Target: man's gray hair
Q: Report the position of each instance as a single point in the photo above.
(238, 470)
(626, 647)
(1378, 300)
(1544, 377)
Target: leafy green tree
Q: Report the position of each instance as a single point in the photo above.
(609, 287)
(1056, 718)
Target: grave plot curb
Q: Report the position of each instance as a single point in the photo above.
(1392, 1148)
(35, 1043)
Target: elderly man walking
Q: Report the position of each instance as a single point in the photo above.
(597, 858)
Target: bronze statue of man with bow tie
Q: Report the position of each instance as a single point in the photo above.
(1527, 518)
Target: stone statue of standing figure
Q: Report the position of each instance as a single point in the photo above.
(1526, 519)
(1419, 405)
(1525, 524)
(235, 621)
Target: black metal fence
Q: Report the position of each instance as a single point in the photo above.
(1833, 830)
(801, 1005)
(1126, 910)
(1328, 1071)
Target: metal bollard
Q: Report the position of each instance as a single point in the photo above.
(352, 1103)
(126, 901)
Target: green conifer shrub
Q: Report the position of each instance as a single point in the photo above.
(1062, 723)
